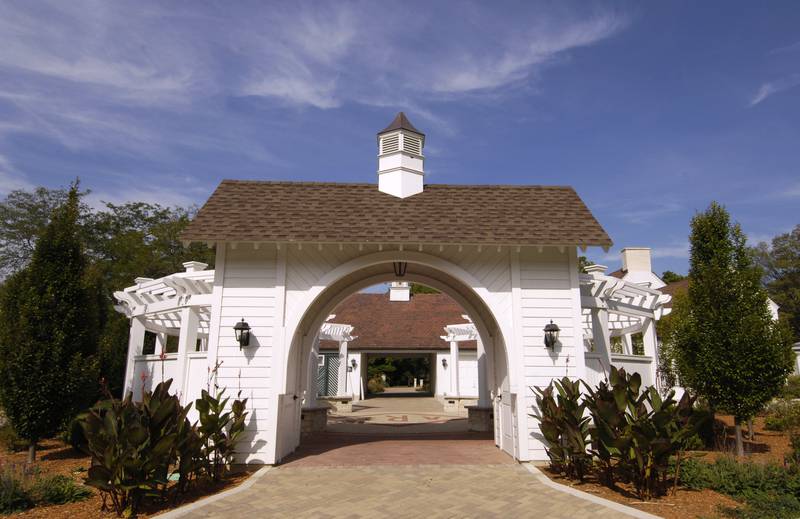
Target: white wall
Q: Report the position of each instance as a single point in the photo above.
(249, 292)
(548, 289)
(467, 372)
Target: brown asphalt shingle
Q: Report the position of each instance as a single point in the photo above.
(244, 210)
(380, 324)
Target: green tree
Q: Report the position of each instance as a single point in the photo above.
(727, 347)
(671, 277)
(584, 262)
(23, 217)
(781, 264)
(416, 288)
(49, 326)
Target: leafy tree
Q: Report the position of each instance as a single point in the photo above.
(781, 264)
(121, 242)
(727, 347)
(49, 325)
(23, 217)
(584, 262)
(416, 288)
(671, 277)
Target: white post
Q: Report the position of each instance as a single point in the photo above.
(602, 337)
(627, 344)
(161, 343)
(454, 389)
(651, 347)
(187, 341)
(341, 384)
(135, 343)
(483, 389)
(313, 370)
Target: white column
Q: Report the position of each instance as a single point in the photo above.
(650, 342)
(602, 338)
(313, 370)
(484, 400)
(135, 343)
(161, 343)
(341, 384)
(453, 367)
(187, 341)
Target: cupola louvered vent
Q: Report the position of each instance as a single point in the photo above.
(412, 144)
(401, 170)
(390, 143)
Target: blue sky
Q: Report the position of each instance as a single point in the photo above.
(650, 110)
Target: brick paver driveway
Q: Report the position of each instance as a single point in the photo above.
(431, 476)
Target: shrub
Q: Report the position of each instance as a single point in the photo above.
(135, 446)
(768, 490)
(782, 415)
(10, 440)
(14, 497)
(792, 388)
(565, 426)
(375, 385)
(638, 433)
(219, 429)
(59, 489)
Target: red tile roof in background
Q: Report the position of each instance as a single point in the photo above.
(381, 324)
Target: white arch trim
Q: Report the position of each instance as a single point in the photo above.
(336, 298)
(369, 260)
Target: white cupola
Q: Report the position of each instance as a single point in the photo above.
(400, 159)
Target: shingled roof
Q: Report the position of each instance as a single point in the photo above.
(245, 210)
(381, 324)
(400, 122)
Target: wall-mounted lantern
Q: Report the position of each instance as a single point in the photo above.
(242, 331)
(353, 363)
(551, 335)
(444, 363)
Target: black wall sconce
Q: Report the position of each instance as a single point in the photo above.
(444, 363)
(242, 331)
(400, 268)
(353, 363)
(551, 335)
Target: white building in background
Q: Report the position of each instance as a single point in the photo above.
(288, 253)
(398, 325)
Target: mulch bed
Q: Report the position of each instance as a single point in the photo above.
(54, 457)
(765, 447)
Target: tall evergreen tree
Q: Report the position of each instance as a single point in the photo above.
(49, 327)
(727, 347)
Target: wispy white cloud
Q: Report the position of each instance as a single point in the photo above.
(773, 87)
(680, 251)
(646, 212)
(10, 179)
(792, 47)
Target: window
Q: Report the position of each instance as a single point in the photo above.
(149, 344)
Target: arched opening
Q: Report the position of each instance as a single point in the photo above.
(318, 310)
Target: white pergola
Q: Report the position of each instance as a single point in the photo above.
(329, 331)
(178, 305)
(454, 334)
(613, 307)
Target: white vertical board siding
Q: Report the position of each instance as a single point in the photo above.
(468, 374)
(546, 292)
(249, 293)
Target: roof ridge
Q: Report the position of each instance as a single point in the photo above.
(373, 185)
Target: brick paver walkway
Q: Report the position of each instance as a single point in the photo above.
(403, 491)
(431, 476)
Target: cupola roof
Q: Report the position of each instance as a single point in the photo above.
(400, 122)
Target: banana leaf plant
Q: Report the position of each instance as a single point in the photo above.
(219, 430)
(565, 426)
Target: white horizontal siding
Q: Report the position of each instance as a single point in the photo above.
(545, 294)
